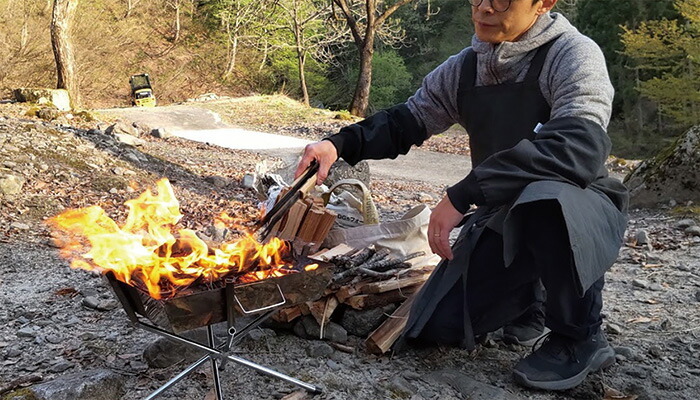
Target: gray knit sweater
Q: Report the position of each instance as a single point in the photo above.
(574, 78)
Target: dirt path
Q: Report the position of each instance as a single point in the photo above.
(205, 126)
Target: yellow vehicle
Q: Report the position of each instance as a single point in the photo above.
(141, 91)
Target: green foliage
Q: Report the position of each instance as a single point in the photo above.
(669, 50)
(391, 81)
(433, 35)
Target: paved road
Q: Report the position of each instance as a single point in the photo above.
(202, 125)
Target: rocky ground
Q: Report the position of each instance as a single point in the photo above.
(63, 333)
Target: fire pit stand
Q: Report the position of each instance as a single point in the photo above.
(138, 305)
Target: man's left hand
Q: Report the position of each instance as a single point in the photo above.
(442, 220)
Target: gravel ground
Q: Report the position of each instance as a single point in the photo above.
(56, 321)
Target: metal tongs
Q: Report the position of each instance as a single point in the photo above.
(296, 192)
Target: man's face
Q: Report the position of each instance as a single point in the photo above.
(495, 27)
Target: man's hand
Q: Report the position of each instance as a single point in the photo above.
(442, 220)
(324, 152)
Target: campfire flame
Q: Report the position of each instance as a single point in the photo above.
(146, 250)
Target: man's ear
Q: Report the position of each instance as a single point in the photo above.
(546, 6)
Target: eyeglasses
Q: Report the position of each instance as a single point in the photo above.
(497, 5)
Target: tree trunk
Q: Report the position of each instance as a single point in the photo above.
(63, 11)
(360, 100)
(233, 52)
(302, 77)
(177, 21)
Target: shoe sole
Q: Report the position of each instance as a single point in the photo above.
(602, 359)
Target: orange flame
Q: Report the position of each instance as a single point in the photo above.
(145, 248)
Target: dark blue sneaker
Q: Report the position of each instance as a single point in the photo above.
(526, 330)
(563, 363)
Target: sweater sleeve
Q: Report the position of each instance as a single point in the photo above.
(388, 133)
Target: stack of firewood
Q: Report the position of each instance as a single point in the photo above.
(365, 279)
(307, 221)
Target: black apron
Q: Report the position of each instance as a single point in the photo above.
(496, 118)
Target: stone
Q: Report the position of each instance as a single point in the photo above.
(19, 225)
(626, 352)
(692, 230)
(26, 332)
(319, 349)
(260, 334)
(685, 223)
(248, 181)
(673, 174)
(164, 353)
(217, 181)
(400, 387)
(362, 322)
(641, 237)
(161, 133)
(11, 184)
(470, 388)
(59, 98)
(101, 384)
(333, 365)
(48, 113)
(141, 128)
(424, 197)
(697, 295)
(129, 139)
(61, 366)
(613, 329)
(640, 283)
(122, 127)
(308, 328)
(90, 302)
(655, 351)
(342, 170)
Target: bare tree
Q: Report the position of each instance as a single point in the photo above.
(175, 4)
(305, 21)
(366, 19)
(63, 12)
(130, 5)
(238, 19)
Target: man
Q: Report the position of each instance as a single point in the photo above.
(534, 95)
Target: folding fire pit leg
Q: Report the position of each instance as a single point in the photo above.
(214, 365)
(178, 378)
(218, 354)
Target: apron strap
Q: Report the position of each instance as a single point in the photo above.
(537, 62)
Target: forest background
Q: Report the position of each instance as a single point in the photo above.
(329, 53)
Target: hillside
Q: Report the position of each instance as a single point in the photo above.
(111, 46)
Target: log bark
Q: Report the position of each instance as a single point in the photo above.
(381, 340)
(385, 286)
(370, 301)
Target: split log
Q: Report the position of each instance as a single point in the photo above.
(381, 340)
(288, 314)
(293, 219)
(369, 301)
(322, 309)
(393, 284)
(347, 291)
(308, 226)
(324, 226)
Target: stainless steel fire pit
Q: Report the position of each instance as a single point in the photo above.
(221, 301)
